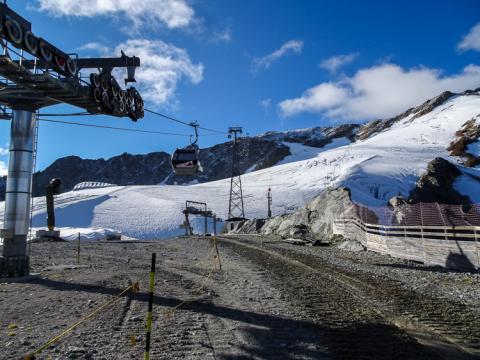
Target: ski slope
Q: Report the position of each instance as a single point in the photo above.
(375, 169)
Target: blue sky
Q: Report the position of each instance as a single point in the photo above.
(264, 65)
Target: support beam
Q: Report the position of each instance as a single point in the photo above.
(206, 223)
(14, 261)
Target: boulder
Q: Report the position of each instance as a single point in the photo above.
(314, 222)
(351, 245)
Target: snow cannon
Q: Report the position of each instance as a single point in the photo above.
(52, 189)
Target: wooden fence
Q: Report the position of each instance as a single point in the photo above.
(455, 247)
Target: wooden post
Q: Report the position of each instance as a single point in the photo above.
(150, 308)
(218, 254)
(78, 249)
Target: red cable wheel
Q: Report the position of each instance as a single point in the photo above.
(31, 42)
(71, 67)
(60, 62)
(45, 52)
(14, 31)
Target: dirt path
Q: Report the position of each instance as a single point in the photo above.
(271, 301)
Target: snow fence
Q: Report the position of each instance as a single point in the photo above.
(431, 233)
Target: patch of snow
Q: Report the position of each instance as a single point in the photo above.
(301, 152)
(338, 142)
(88, 234)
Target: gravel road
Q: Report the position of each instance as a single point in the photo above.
(270, 301)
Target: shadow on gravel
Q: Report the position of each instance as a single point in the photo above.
(434, 268)
(273, 337)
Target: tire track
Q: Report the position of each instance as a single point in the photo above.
(353, 307)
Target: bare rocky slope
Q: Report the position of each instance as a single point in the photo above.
(436, 185)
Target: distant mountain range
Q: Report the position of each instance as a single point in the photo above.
(256, 153)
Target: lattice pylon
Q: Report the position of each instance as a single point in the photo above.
(235, 206)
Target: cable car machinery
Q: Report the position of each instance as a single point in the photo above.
(35, 74)
(200, 209)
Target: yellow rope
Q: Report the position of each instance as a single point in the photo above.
(31, 356)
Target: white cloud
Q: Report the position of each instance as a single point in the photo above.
(95, 47)
(162, 67)
(471, 41)
(378, 92)
(265, 104)
(335, 62)
(222, 35)
(316, 99)
(172, 13)
(3, 169)
(3, 151)
(291, 46)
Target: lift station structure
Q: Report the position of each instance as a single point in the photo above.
(199, 209)
(35, 74)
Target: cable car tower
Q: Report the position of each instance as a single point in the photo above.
(35, 74)
(235, 206)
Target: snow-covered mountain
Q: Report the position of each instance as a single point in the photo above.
(385, 159)
(257, 153)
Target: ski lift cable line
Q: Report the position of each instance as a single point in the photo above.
(67, 115)
(112, 127)
(191, 124)
(89, 114)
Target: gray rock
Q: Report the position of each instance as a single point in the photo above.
(315, 220)
(351, 245)
(436, 185)
(74, 352)
(252, 226)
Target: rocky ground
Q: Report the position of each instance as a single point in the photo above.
(270, 301)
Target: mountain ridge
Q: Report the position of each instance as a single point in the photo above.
(257, 153)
